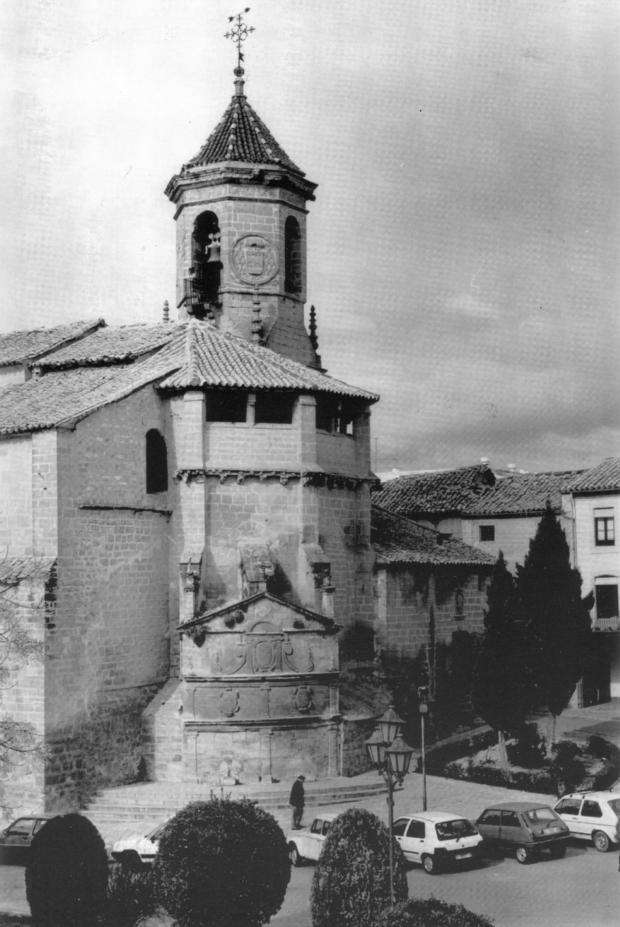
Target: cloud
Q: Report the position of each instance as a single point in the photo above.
(469, 305)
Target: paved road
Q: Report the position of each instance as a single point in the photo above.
(581, 889)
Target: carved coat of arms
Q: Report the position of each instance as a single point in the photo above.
(254, 259)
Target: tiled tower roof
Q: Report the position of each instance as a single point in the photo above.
(241, 135)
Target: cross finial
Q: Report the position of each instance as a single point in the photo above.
(239, 32)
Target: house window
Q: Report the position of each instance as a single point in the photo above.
(606, 601)
(487, 532)
(156, 462)
(226, 405)
(604, 533)
(274, 407)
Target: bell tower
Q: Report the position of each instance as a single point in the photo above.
(241, 229)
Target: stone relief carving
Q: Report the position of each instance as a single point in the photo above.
(265, 653)
(302, 699)
(254, 260)
(229, 702)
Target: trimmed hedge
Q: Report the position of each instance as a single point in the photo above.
(130, 896)
(67, 875)
(222, 863)
(430, 912)
(351, 883)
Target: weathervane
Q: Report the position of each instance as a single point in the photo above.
(239, 33)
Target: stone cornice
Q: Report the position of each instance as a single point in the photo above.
(238, 173)
(308, 477)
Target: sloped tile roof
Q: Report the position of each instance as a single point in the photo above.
(216, 358)
(397, 539)
(110, 345)
(63, 396)
(521, 494)
(604, 477)
(438, 492)
(241, 135)
(15, 569)
(195, 355)
(17, 347)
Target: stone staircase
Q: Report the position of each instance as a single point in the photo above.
(143, 805)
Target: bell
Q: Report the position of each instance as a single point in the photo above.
(213, 249)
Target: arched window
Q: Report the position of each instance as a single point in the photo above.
(206, 260)
(156, 462)
(292, 256)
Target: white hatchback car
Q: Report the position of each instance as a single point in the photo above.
(437, 838)
(138, 850)
(592, 816)
(307, 843)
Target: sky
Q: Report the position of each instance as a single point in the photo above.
(463, 247)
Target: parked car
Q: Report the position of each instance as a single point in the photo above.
(138, 850)
(526, 829)
(307, 843)
(15, 839)
(436, 839)
(592, 816)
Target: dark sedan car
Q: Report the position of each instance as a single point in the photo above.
(15, 839)
(525, 829)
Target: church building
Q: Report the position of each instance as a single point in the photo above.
(185, 513)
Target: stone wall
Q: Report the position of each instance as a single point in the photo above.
(405, 594)
(108, 653)
(16, 538)
(22, 607)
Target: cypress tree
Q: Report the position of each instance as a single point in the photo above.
(549, 603)
(501, 686)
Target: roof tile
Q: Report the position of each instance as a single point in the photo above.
(439, 492)
(521, 494)
(398, 540)
(194, 355)
(110, 345)
(604, 477)
(19, 347)
(241, 135)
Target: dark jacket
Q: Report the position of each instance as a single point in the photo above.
(297, 793)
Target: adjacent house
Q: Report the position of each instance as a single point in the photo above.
(593, 499)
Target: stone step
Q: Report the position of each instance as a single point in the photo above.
(155, 800)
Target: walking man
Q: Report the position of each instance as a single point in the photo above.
(297, 800)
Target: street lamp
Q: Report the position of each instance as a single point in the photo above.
(423, 709)
(391, 756)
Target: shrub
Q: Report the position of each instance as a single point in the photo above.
(430, 912)
(438, 757)
(67, 874)
(537, 780)
(566, 771)
(131, 895)
(529, 749)
(222, 862)
(351, 883)
(599, 747)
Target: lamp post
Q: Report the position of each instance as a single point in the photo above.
(423, 709)
(391, 756)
